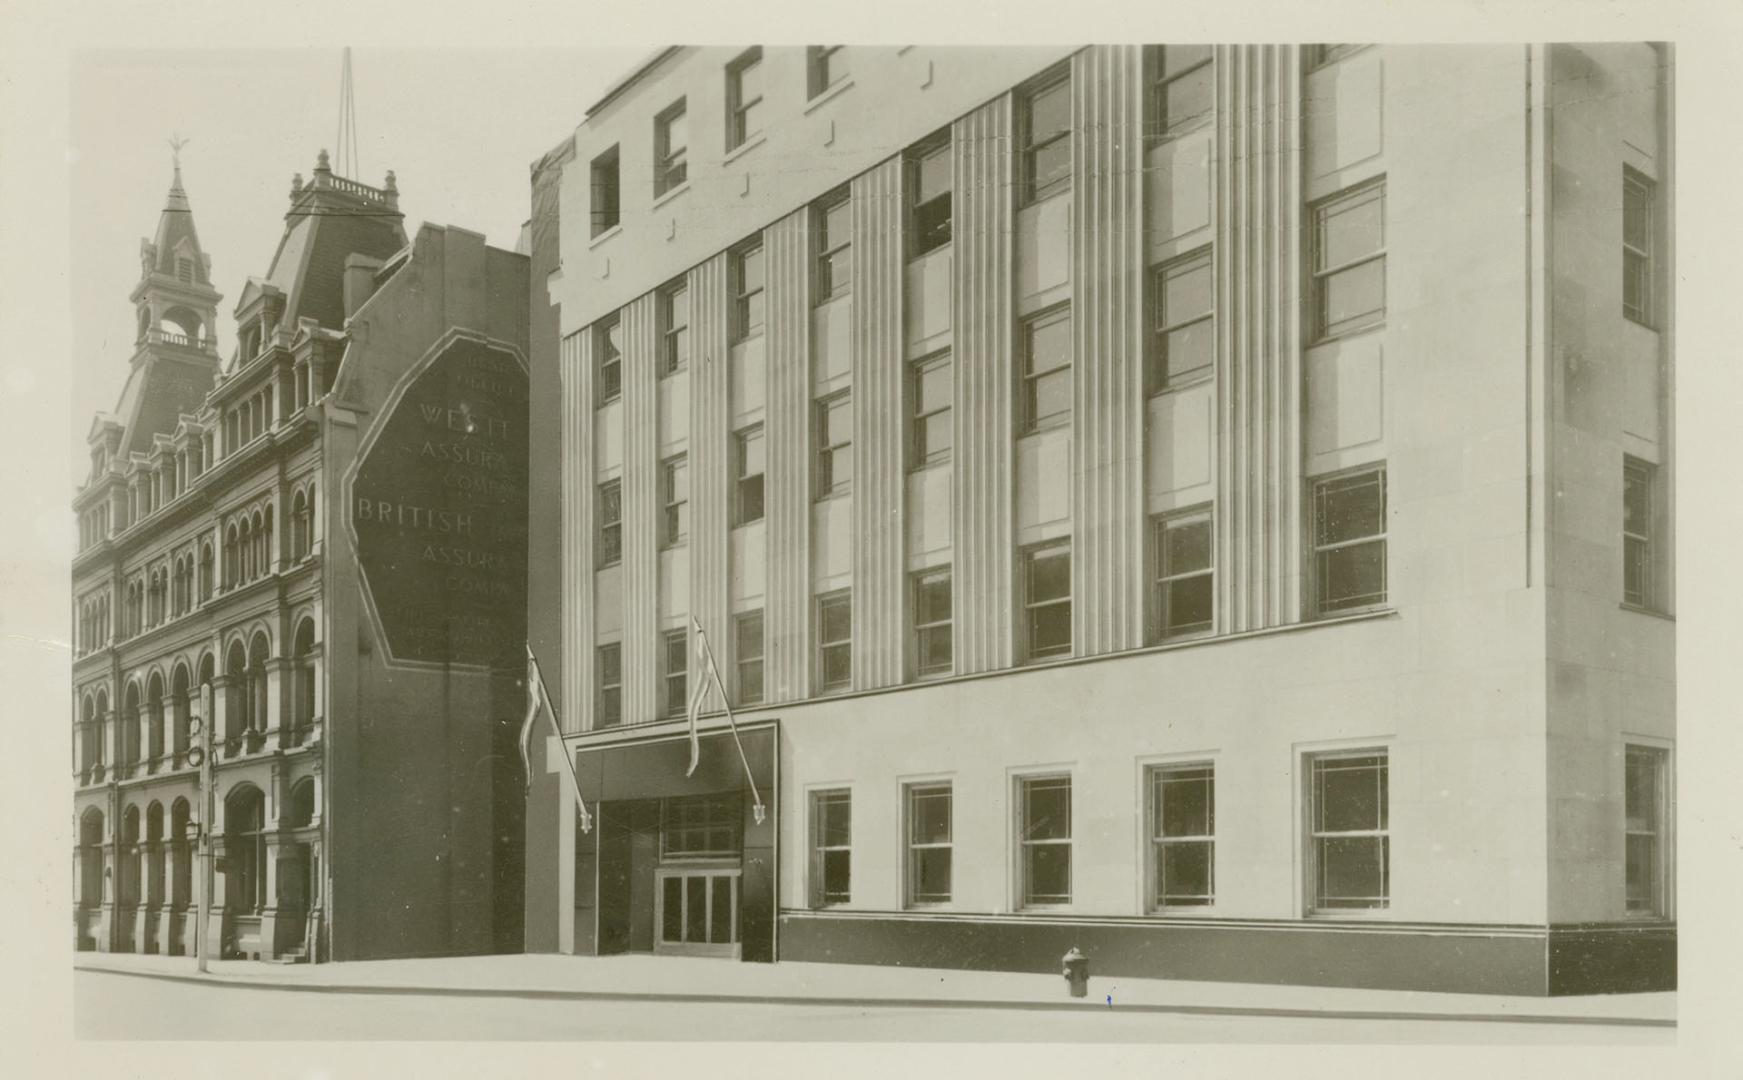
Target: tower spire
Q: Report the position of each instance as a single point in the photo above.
(347, 142)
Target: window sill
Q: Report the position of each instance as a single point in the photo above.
(1037, 200)
(831, 496)
(1052, 423)
(1176, 135)
(933, 250)
(1042, 909)
(608, 402)
(667, 196)
(1178, 385)
(1345, 335)
(829, 93)
(1348, 914)
(927, 466)
(605, 236)
(744, 148)
(1652, 612)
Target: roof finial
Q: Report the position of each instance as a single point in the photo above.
(176, 142)
(321, 164)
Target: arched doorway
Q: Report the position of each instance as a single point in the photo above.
(127, 882)
(244, 869)
(296, 871)
(156, 869)
(181, 877)
(90, 913)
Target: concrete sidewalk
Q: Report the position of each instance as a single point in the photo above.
(641, 976)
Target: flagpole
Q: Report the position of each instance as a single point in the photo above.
(714, 672)
(551, 717)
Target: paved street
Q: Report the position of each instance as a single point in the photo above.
(117, 1006)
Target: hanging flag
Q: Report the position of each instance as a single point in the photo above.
(704, 666)
(539, 701)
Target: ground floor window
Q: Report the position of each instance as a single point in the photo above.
(1350, 849)
(929, 843)
(1182, 836)
(1044, 828)
(1645, 813)
(831, 847)
(702, 826)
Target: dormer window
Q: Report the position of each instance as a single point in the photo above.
(184, 269)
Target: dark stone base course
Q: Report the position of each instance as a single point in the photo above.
(1537, 963)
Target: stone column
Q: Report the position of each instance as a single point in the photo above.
(277, 690)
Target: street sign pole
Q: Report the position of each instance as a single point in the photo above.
(203, 877)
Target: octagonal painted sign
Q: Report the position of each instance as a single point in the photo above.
(437, 508)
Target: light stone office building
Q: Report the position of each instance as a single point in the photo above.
(1209, 506)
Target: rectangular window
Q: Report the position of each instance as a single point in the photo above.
(1349, 541)
(825, 65)
(831, 848)
(746, 265)
(674, 316)
(744, 97)
(608, 360)
(832, 222)
(610, 523)
(1185, 580)
(1044, 826)
(1349, 262)
(929, 844)
(1350, 854)
(1047, 602)
(932, 630)
(1646, 799)
(747, 653)
(835, 640)
(702, 826)
(1047, 354)
(749, 466)
(1638, 197)
(671, 147)
(1044, 137)
(929, 190)
(933, 393)
(1184, 348)
(1182, 836)
(1637, 530)
(674, 672)
(675, 500)
(610, 685)
(605, 200)
(834, 446)
(1182, 88)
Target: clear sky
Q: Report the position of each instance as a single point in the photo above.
(253, 118)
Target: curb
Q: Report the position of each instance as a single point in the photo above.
(546, 994)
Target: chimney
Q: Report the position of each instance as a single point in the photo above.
(360, 271)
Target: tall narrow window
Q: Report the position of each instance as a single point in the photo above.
(610, 703)
(1182, 89)
(1044, 134)
(933, 393)
(675, 500)
(1644, 812)
(831, 848)
(671, 148)
(747, 655)
(746, 265)
(1047, 602)
(1350, 856)
(1044, 828)
(608, 360)
(825, 65)
(833, 228)
(674, 672)
(1349, 262)
(1638, 197)
(834, 446)
(929, 194)
(610, 523)
(674, 316)
(1185, 597)
(1185, 343)
(835, 640)
(750, 463)
(1047, 354)
(744, 97)
(605, 192)
(1637, 529)
(929, 844)
(1182, 836)
(932, 626)
(1349, 541)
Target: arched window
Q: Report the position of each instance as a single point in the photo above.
(157, 853)
(87, 739)
(127, 888)
(259, 651)
(303, 705)
(205, 571)
(245, 849)
(91, 858)
(245, 548)
(102, 720)
(130, 729)
(263, 527)
(299, 527)
(181, 853)
(300, 811)
(236, 696)
(182, 706)
(154, 722)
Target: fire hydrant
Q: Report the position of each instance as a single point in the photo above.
(1076, 972)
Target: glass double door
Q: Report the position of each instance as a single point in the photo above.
(696, 910)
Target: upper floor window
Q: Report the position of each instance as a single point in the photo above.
(1182, 89)
(749, 466)
(674, 672)
(747, 656)
(1185, 596)
(833, 226)
(608, 360)
(1044, 137)
(671, 147)
(929, 191)
(825, 65)
(1349, 857)
(932, 396)
(1349, 541)
(1638, 196)
(1184, 348)
(835, 640)
(610, 685)
(610, 523)
(675, 500)
(674, 315)
(1349, 261)
(1047, 354)
(605, 192)
(932, 623)
(1047, 601)
(745, 266)
(834, 446)
(1637, 532)
(744, 97)
(1645, 811)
